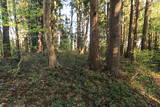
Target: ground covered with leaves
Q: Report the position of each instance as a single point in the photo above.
(33, 84)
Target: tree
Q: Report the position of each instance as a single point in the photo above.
(48, 34)
(16, 30)
(113, 53)
(145, 25)
(5, 23)
(135, 39)
(129, 48)
(93, 58)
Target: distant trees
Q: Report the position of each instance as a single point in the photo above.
(41, 27)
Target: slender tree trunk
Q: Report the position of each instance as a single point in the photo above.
(85, 37)
(40, 43)
(145, 25)
(129, 48)
(123, 27)
(16, 30)
(26, 44)
(93, 57)
(156, 41)
(135, 40)
(113, 54)
(78, 30)
(6, 39)
(71, 27)
(150, 41)
(48, 34)
(107, 21)
(1, 51)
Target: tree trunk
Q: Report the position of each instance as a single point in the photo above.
(16, 30)
(6, 40)
(93, 57)
(129, 48)
(113, 54)
(71, 27)
(150, 41)
(156, 41)
(48, 35)
(79, 29)
(123, 34)
(145, 25)
(40, 43)
(85, 37)
(135, 40)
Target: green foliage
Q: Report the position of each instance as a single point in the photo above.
(148, 58)
(65, 44)
(70, 85)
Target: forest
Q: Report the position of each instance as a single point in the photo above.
(79, 53)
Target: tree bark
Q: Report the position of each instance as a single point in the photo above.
(6, 39)
(48, 35)
(156, 41)
(150, 41)
(79, 29)
(85, 37)
(129, 48)
(145, 25)
(113, 54)
(16, 30)
(40, 43)
(135, 40)
(93, 58)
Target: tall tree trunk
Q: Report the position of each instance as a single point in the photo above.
(16, 30)
(145, 25)
(113, 54)
(93, 57)
(156, 41)
(135, 40)
(150, 41)
(123, 35)
(40, 43)
(48, 34)
(6, 39)
(129, 48)
(79, 29)
(1, 51)
(71, 27)
(85, 37)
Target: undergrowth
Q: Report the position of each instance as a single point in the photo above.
(71, 85)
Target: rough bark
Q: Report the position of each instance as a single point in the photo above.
(93, 57)
(40, 43)
(52, 60)
(135, 39)
(156, 41)
(113, 54)
(150, 41)
(6, 39)
(129, 47)
(145, 25)
(123, 36)
(85, 37)
(78, 29)
(71, 27)
(16, 30)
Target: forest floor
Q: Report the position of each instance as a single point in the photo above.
(33, 84)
